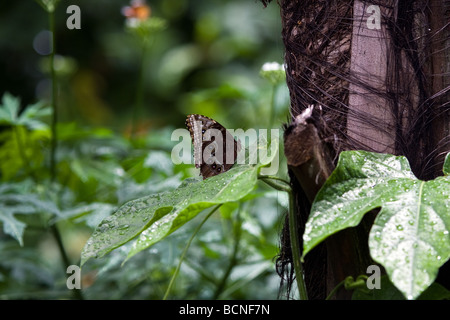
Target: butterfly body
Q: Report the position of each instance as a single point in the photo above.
(215, 149)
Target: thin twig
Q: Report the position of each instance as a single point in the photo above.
(51, 15)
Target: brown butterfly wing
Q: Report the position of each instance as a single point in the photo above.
(198, 126)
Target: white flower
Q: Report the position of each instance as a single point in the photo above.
(272, 66)
(273, 71)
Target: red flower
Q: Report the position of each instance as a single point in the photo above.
(138, 9)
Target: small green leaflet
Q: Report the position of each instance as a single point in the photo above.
(410, 236)
(11, 225)
(14, 203)
(10, 113)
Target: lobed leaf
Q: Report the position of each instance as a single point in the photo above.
(11, 225)
(16, 203)
(410, 236)
(10, 113)
(9, 109)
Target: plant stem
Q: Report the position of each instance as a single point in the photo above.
(64, 256)
(233, 260)
(349, 284)
(138, 106)
(295, 249)
(335, 289)
(293, 232)
(274, 184)
(54, 103)
(54, 140)
(272, 107)
(186, 249)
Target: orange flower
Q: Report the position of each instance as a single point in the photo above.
(138, 9)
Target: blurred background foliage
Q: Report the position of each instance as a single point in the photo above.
(206, 60)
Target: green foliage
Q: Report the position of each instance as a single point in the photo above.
(446, 169)
(24, 137)
(50, 203)
(389, 292)
(154, 217)
(99, 171)
(18, 199)
(116, 196)
(410, 236)
(29, 118)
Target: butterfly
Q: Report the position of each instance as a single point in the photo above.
(215, 149)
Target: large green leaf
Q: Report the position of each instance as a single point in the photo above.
(150, 219)
(410, 236)
(154, 217)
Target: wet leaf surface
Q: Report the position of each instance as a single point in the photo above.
(410, 236)
(154, 217)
